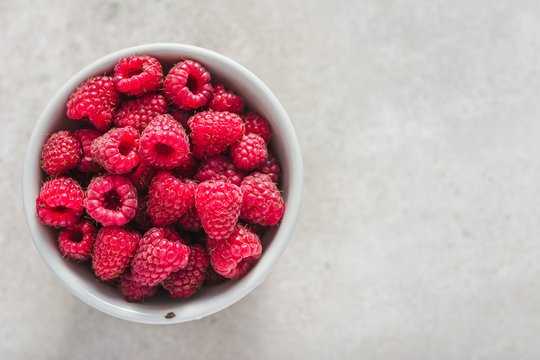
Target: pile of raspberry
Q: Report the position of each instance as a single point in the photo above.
(168, 183)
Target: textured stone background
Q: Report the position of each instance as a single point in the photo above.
(419, 123)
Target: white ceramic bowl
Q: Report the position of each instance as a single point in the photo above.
(162, 310)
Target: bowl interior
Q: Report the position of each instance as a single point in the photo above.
(163, 309)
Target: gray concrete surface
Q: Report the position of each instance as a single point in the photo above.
(419, 236)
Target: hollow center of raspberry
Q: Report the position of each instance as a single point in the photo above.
(134, 71)
(191, 83)
(125, 148)
(112, 201)
(76, 236)
(163, 149)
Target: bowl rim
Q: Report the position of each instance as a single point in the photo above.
(249, 282)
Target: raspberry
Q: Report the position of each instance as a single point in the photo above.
(248, 153)
(164, 143)
(60, 153)
(85, 137)
(234, 256)
(113, 250)
(187, 85)
(111, 200)
(218, 205)
(139, 112)
(213, 131)
(157, 257)
(187, 168)
(137, 75)
(142, 176)
(182, 116)
(117, 150)
(60, 202)
(169, 198)
(262, 202)
(213, 278)
(132, 291)
(191, 221)
(223, 100)
(186, 282)
(219, 167)
(76, 241)
(141, 221)
(270, 166)
(256, 124)
(97, 99)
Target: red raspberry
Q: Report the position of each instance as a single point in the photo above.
(157, 257)
(218, 205)
(233, 257)
(262, 202)
(76, 241)
(60, 202)
(219, 167)
(248, 153)
(60, 153)
(139, 112)
(97, 99)
(223, 100)
(132, 291)
(113, 250)
(187, 168)
(117, 150)
(187, 85)
(169, 198)
(186, 282)
(86, 136)
(141, 221)
(137, 75)
(164, 143)
(191, 221)
(111, 200)
(182, 116)
(213, 131)
(142, 176)
(270, 167)
(256, 124)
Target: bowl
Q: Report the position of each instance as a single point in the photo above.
(164, 309)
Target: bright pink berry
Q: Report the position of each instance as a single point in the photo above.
(191, 220)
(187, 168)
(117, 150)
(60, 202)
(164, 143)
(86, 137)
(182, 116)
(142, 176)
(169, 198)
(219, 167)
(113, 250)
(270, 166)
(213, 131)
(97, 99)
(223, 100)
(187, 281)
(234, 256)
(187, 85)
(111, 200)
(218, 205)
(256, 124)
(248, 153)
(76, 241)
(262, 202)
(140, 111)
(132, 291)
(60, 153)
(137, 75)
(157, 257)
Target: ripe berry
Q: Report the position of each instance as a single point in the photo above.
(113, 250)
(234, 256)
(187, 281)
(256, 124)
(191, 220)
(132, 291)
(76, 241)
(223, 100)
(218, 205)
(86, 137)
(187, 85)
(219, 167)
(262, 202)
(140, 111)
(111, 200)
(248, 153)
(117, 150)
(60, 202)
(164, 143)
(213, 131)
(137, 75)
(60, 153)
(97, 98)
(270, 166)
(142, 176)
